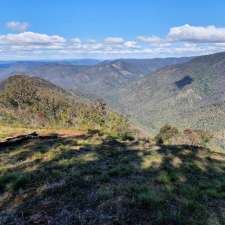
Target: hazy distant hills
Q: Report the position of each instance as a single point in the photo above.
(94, 80)
(191, 94)
(64, 61)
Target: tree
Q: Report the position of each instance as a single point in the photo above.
(166, 133)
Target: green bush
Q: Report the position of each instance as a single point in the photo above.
(205, 137)
(164, 178)
(117, 126)
(165, 134)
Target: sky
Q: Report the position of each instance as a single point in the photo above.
(107, 29)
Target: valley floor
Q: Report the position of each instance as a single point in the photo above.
(86, 178)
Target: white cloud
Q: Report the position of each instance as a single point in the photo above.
(197, 34)
(131, 44)
(30, 38)
(76, 40)
(180, 41)
(17, 26)
(150, 39)
(114, 40)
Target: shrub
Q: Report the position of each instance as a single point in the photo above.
(164, 178)
(205, 137)
(197, 137)
(117, 126)
(165, 134)
(92, 116)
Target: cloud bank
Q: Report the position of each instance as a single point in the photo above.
(182, 40)
(209, 34)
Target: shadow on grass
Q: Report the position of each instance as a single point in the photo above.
(99, 180)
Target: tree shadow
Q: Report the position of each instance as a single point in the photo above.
(92, 179)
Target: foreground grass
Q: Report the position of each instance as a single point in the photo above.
(89, 178)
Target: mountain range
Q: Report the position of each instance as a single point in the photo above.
(190, 94)
(186, 92)
(92, 80)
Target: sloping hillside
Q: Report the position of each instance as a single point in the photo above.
(37, 102)
(191, 94)
(93, 80)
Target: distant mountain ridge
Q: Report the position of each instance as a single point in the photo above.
(62, 61)
(186, 92)
(93, 80)
(191, 94)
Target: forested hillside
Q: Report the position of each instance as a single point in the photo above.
(187, 95)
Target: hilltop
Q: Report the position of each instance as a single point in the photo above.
(37, 102)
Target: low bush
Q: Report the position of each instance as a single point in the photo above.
(193, 137)
(117, 126)
(166, 133)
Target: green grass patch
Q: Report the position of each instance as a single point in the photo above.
(14, 181)
(121, 170)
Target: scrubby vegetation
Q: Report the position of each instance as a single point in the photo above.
(171, 135)
(34, 102)
(196, 137)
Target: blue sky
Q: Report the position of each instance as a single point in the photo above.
(41, 29)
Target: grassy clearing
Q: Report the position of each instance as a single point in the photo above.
(89, 178)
